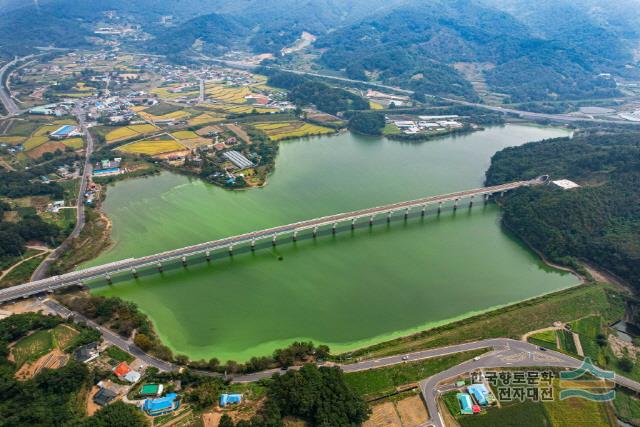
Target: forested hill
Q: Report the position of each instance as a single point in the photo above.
(598, 222)
(418, 46)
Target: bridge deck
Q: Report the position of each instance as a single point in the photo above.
(77, 277)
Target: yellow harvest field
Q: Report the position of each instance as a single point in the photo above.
(127, 132)
(234, 95)
(375, 106)
(152, 147)
(13, 140)
(35, 141)
(204, 119)
(146, 128)
(75, 143)
(175, 115)
(289, 130)
(184, 134)
(120, 134)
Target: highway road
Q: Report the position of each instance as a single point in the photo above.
(76, 277)
(5, 96)
(521, 113)
(41, 272)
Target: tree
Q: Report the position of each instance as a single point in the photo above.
(144, 342)
(118, 414)
(625, 364)
(367, 123)
(226, 421)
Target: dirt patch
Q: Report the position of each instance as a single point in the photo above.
(53, 360)
(412, 411)
(383, 415)
(91, 406)
(240, 133)
(172, 154)
(211, 419)
(209, 129)
(47, 147)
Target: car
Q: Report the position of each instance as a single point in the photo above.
(476, 358)
(542, 349)
(405, 357)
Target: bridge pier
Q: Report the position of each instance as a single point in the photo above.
(406, 214)
(439, 207)
(502, 194)
(184, 261)
(486, 198)
(207, 255)
(108, 278)
(455, 205)
(333, 228)
(471, 202)
(389, 217)
(159, 266)
(273, 240)
(230, 250)
(134, 273)
(424, 210)
(371, 221)
(295, 235)
(315, 231)
(353, 223)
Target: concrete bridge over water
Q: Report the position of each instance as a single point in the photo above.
(308, 228)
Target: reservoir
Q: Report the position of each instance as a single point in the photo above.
(347, 291)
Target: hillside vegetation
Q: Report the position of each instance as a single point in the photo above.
(599, 222)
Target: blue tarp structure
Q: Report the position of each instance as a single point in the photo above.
(226, 399)
(161, 405)
(466, 404)
(480, 393)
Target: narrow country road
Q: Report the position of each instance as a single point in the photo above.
(87, 169)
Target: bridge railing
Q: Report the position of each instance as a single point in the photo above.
(128, 264)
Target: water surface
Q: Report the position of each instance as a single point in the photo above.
(346, 291)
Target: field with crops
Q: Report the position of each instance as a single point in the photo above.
(288, 130)
(126, 132)
(152, 147)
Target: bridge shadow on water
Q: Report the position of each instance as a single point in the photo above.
(397, 223)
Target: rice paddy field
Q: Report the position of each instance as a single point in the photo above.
(222, 93)
(288, 130)
(204, 119)
(175, 115)
(152, 147)
(127, 132)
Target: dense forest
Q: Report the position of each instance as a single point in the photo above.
(51, 397)
(598, 222)
(304, 91)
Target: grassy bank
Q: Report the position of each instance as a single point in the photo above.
(376, 383)
(512, 321)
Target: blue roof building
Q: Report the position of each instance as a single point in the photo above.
(480, 393)
(161, 405)
(227, 399)
(466, 404)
